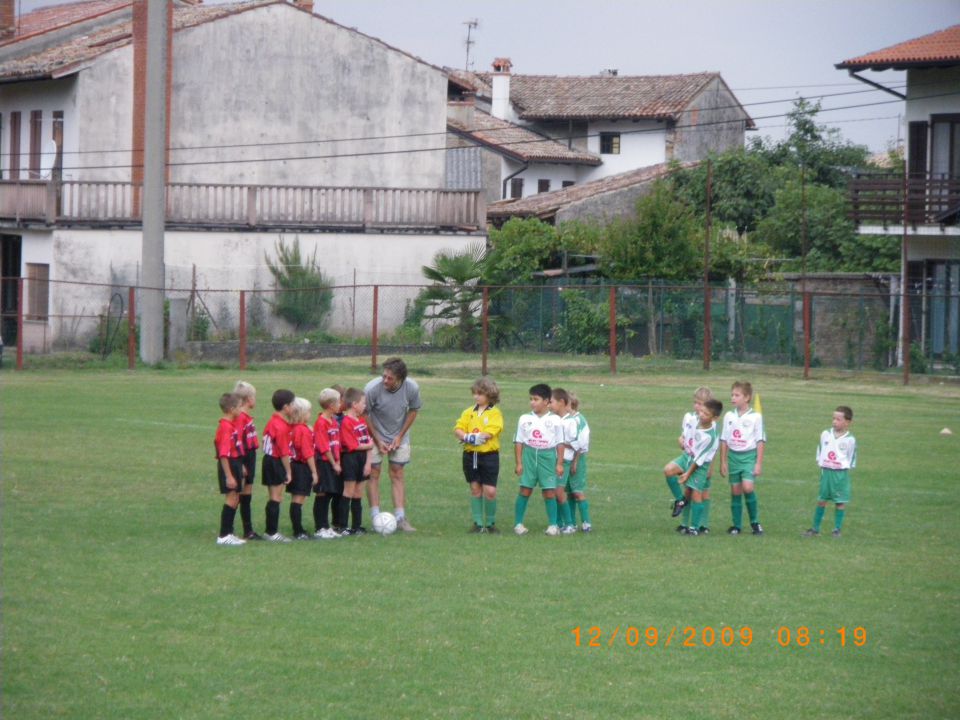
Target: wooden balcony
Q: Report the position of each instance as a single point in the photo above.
(207, 206)
(884, 199)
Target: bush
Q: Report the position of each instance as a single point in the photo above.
(304, 297)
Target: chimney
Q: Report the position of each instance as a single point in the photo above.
(500, 89)
(304, 5)
(8, 19)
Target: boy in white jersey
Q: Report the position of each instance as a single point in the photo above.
(836, 456)
(696, 477)
(741, 455)
(560, 406)
(577, 480)
(676, 467)
(538, 448)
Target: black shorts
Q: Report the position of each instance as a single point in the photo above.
(250, 463)
(236, 467)
(329, 482)
(352, 463)
(302, 479)
(272, 472)
(483, 468)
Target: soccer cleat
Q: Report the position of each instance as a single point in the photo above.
(492, 529)
(404, 524)
(326, 534)
(836, 532)
(318, 535)
(475, 530)
(703, 530)
(252, 536)
(757, 528)
(552, 531)
(277, 538)
(519, 529)
(358, 531)
(230, 540)
(586, 527)
(568, 530)
(681, 529)
(733, 530)
(678, 506)
(811, 533)
(302, 536)
(692, 531)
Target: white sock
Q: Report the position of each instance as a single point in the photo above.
(399, 513)
(374, 511)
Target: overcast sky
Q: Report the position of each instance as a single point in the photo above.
(766, 50)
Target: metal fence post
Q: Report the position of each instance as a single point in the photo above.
(806, 335)
(613, 329)
(243, 329)
(131, 328)
(20, 323)
(373, 338)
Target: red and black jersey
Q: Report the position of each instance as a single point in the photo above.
(326, 437)
(226, 442)
(301, 445)
(248, 433)
(354, 433)
(276, 437)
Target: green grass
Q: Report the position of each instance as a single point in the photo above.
(118, 604)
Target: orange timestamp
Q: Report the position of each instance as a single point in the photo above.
(691, 636)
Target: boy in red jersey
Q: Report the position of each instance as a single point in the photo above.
(275, 471)
(303, 468)
(229, 467)
(249, 442)
(326, 440)
(355, 441)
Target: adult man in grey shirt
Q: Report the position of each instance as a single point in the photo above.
(393, 401)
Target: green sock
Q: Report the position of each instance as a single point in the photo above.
(551, 504)
(697, 514)
(752, 506)
(490, 512)
(736, 510)
(476, 510)
(520, 508)
(674, 487)
(584, 506)
(563, 511)
(838, 519)
(705, 520)
(685, 517)
(818, 517)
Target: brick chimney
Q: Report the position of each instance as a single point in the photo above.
(500, 89)
(8, 19)
(304, 5)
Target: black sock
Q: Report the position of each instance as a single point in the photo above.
(227, 514)
(342, 511)
(245, 514)
(325, 510)
(356, 511)
(273, 517)
(318, 500)
(296, 518)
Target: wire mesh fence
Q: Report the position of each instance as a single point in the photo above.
(771, 323)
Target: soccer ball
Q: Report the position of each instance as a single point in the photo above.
(385, 523)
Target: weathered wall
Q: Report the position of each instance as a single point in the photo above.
(606, 207)
(714, 122)
(105, 118)
(274, 74)
(46, 96)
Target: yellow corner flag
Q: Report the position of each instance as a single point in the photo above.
(757, 407)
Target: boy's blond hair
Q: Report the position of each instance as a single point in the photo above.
(574, 401)
(328, 397)
(301, 410)
(744, 387)
(486, 386)
(244, 389)
(702, 394)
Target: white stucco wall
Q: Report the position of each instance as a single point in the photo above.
(46, 96)
(275, 74)
(641, 144)
(104, 119)
(931, 91)
(553, 172)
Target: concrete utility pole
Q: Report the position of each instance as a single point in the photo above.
(154, 184)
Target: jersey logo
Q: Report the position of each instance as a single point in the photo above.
(832, 455)
(537, 434)
(736, 434)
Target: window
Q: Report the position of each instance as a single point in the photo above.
(543, 186)
(516, 188)
(568, 183)
(15, 145)
(37, 291)
(36, 128)
(609, 143)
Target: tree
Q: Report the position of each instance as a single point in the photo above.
(519, 249)
(455, 296)
(304, 297)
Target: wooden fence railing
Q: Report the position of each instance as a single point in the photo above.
(220, 205)
(880, 198)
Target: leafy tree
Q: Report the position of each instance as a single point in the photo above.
(455, 295)
(519, 249)
(304, 297)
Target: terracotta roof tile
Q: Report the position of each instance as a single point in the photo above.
(48, 18)
(519, 142)
(937, 48)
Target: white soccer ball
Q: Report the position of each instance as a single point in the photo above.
(385, 523)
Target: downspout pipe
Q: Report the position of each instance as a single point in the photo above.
(508, 178)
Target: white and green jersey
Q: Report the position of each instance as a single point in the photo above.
(576, 436)
(688, 428)
(706, 442)
(742, 433)
(837, 452)
(540, 432)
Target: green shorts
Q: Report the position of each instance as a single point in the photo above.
(834, 486)
(740, 466)
(577, 482)
(699, 479)
(683, 462)
(539, 468)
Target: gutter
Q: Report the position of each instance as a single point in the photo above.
(510, 177)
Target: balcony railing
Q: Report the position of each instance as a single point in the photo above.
(884, 198)
(244, 206)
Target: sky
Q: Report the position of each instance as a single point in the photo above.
(769, 52)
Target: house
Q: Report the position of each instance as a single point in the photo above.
(282, 124)
(609, 124)
(922, 208)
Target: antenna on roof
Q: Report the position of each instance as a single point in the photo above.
(471, 26)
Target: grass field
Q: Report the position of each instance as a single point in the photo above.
(118, 604)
